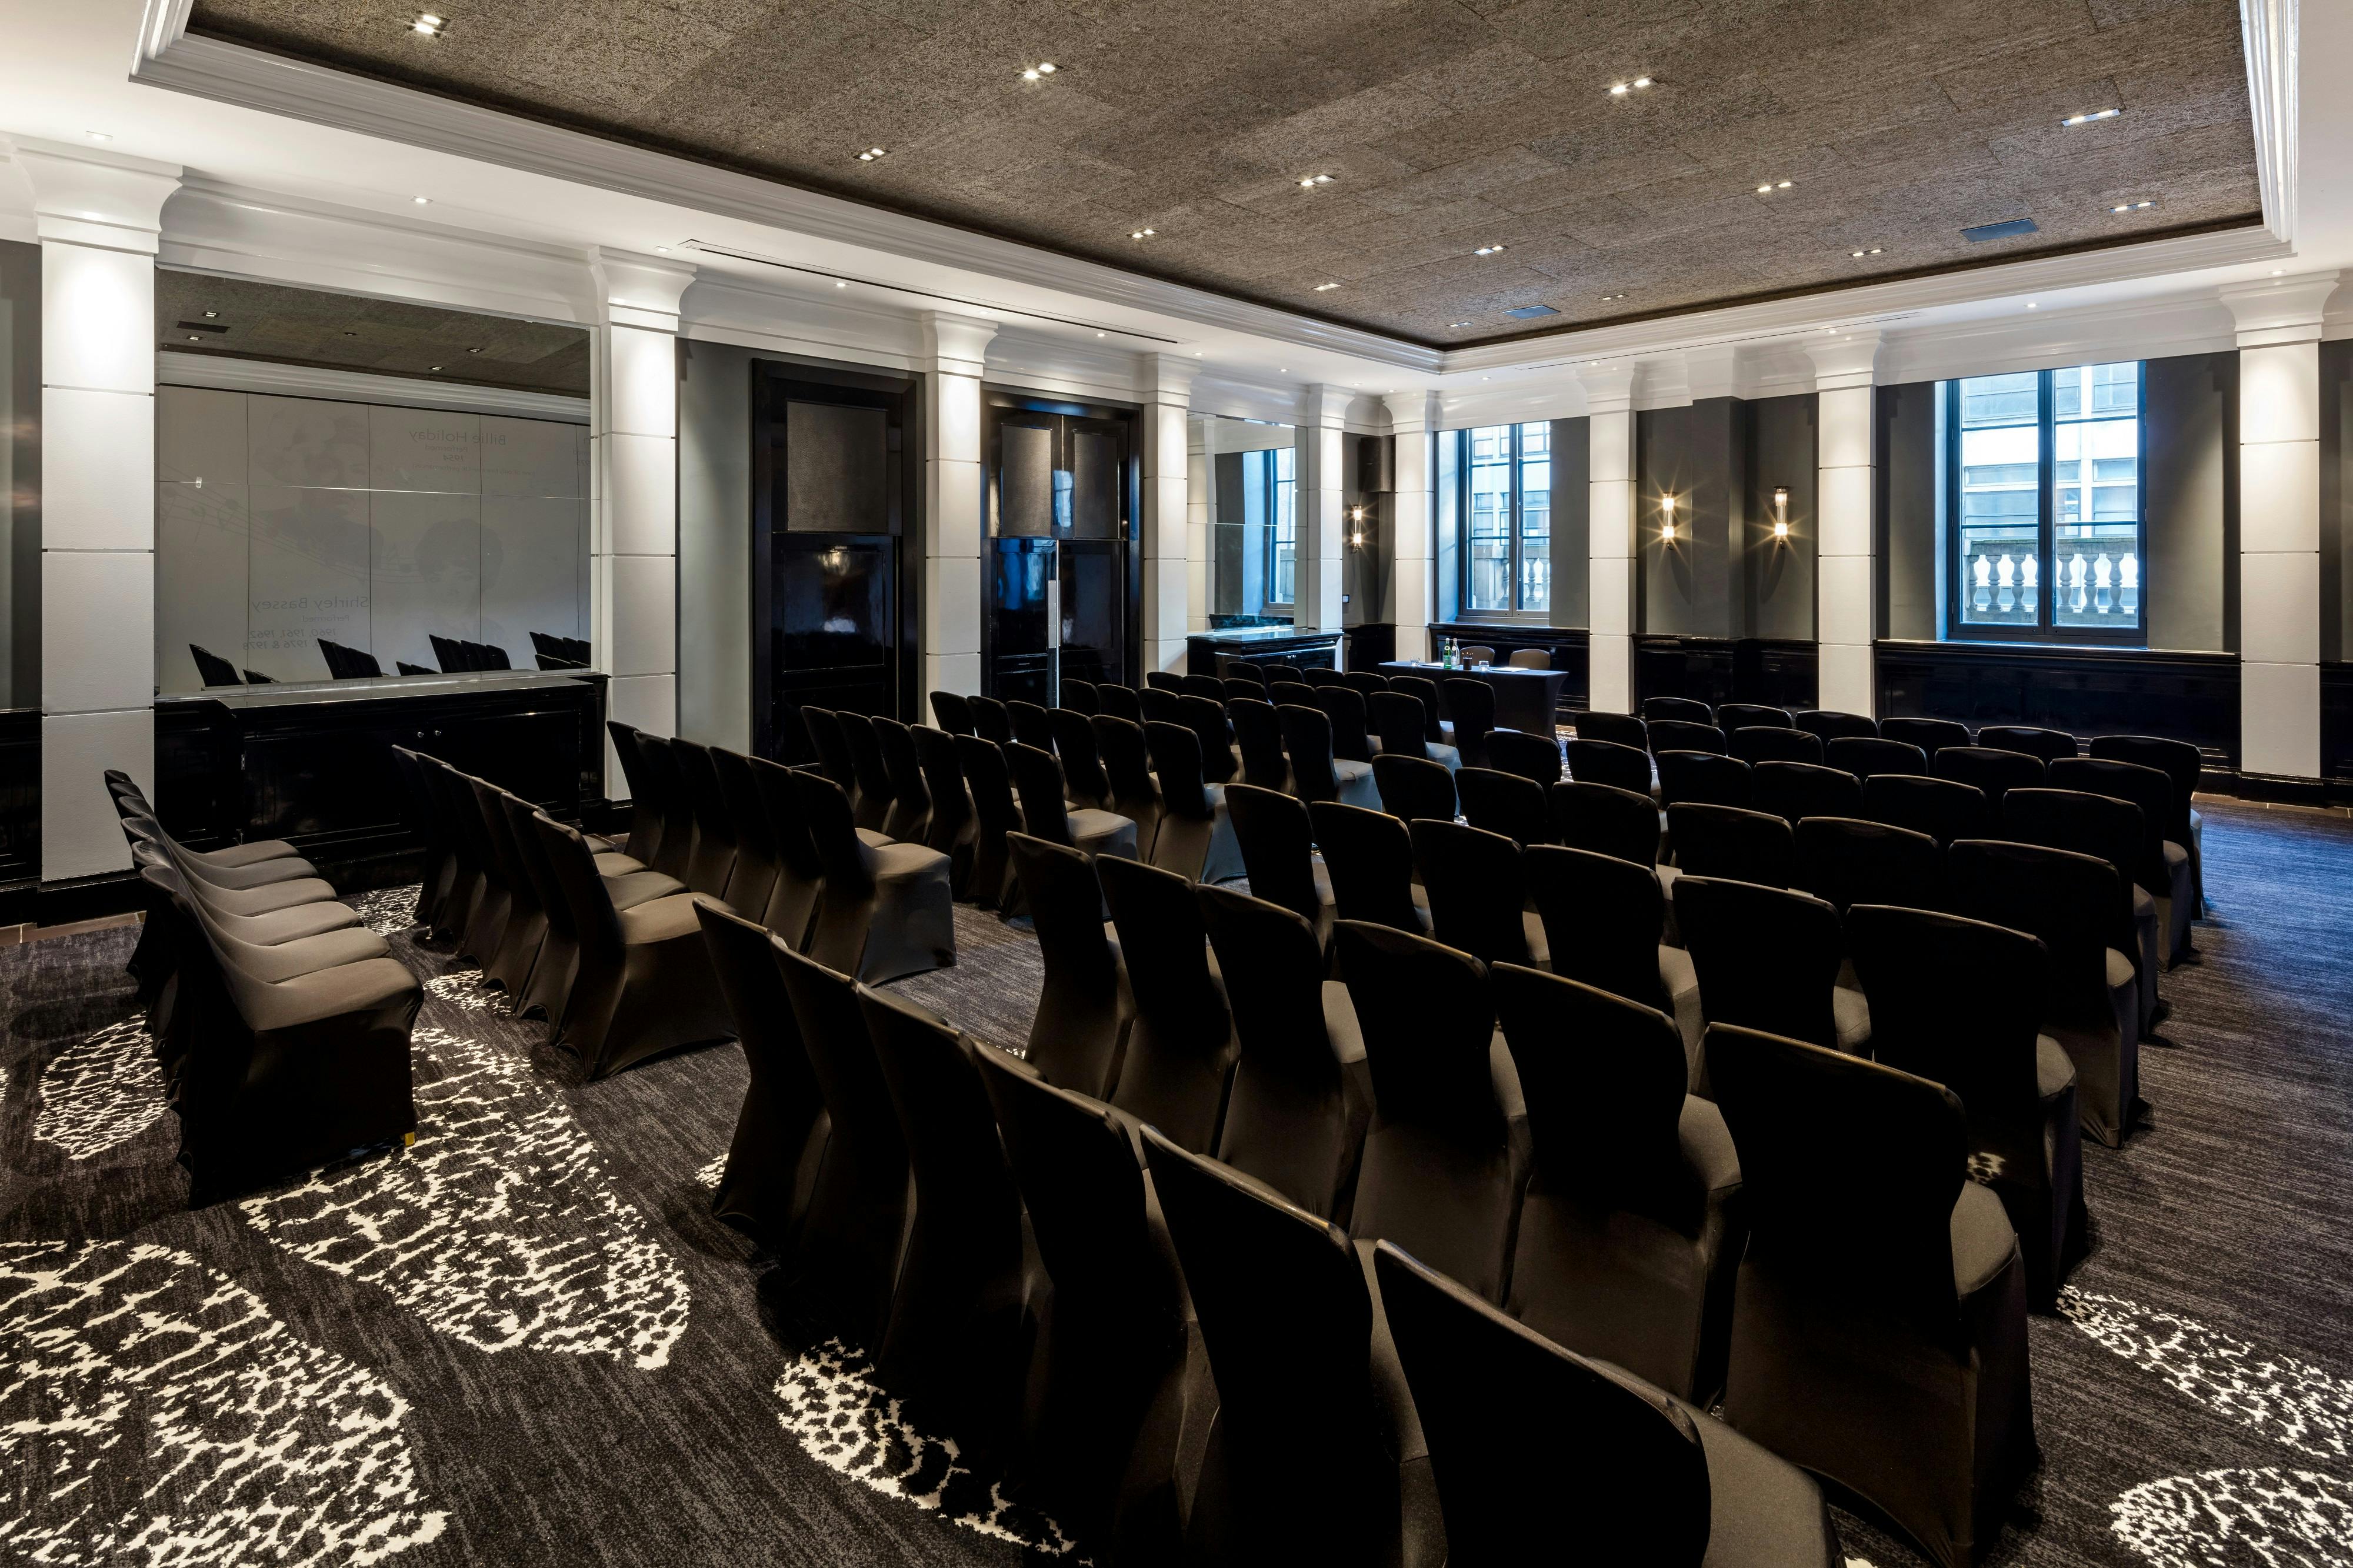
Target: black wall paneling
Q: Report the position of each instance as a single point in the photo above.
(20, 795)
(1062, 581)
(1572, 522)
(2336, 497)
(1781, 671)
(2086, 691)
(1371, 645)
(1568, 648)
(2337, 725)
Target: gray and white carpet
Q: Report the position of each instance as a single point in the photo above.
(525, 1341)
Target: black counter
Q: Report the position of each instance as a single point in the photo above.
(1209, 653)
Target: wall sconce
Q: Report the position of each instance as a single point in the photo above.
(1357, 523)
(1782, 513)
(1667, 527)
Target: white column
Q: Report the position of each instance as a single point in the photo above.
(2279, 523)
(1166, 531)
(1609, 623)
(1322, 529)
(100, 218)
(1845, 570)
(1408, 607)
(633, 437)
(955, 350)
(1200, 481)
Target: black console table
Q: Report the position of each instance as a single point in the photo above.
(1209, 653)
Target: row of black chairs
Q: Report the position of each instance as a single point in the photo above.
(455, 655)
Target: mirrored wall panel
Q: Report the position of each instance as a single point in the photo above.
(1243, 498)
(283, 524)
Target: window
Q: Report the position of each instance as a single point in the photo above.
(2043, 469)
(1504, 475)
(1283, 538)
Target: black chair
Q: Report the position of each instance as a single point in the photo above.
(2072, 902)
(1367, 683)
(1506, 803)
(1795, 791)
(1163, 680)
(1470, 705)
(1606, 820)
(952, 829)
(1729, 841)
(1315, 772)
(1917, 1343)
(2178, 761)
(2115, 831)
(1209, 723)
(1605, 922)
(1523, 1435)
(1768, 959)
(1208, 686)
(1703, 778)
(770, 1176)
(449, 653)
(1126, 759)
(952, 713)
(881, 912)
(1046, 812)
(751, 883)
(990, 721)
(1682, 735)
(871, 809)
(792, 902)
(1994, 772)
(1532, 756)
(2162, 868)
(1344, 707)
(714, 859)
(1944, 809)
(1084, 781)
(1832, 725)
(1424, 690)
(1080, 696)
(1257, 732)
(1181, 1044)
(1245, 688)
(439, 872)
(356, 664)
(1607, 763)
(213, 669)
(832, 750)
(2015, 1083)
(909, 820)
(1632, 1227)
(1277, 842)
(1445, 1157)
(1678, 710)
(1845, 861)
(1083, 1009)
(1478, 894)
(1281, 693)
(1031, 727)
(1931, 735)
(1159, 706)
(1867, 758)
(1275, 669)
(1732, 717)
(1243, 670)
(1368, 858)
(1122, 702)
(1617, 729)
(1399, 721)
(1754, 745)
(645, 811)
(1296, 1114)
(1413, 787)
(404, 667)
(1194, 837)
(2049, 745)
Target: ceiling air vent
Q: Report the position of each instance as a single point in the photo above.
(202, 327)
(1529, 313)
(2010, 230)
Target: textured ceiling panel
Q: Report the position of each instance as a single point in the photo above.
(1446, 125)
(198, 313)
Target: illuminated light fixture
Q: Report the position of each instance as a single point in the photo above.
(2030, 304)
(839, 284)
(1765, 189)
(1031, 74)
(1142, 234)
(1783, 185)
(661, 250)
(873, 153)
(474, 350)
(193, 339)
(2278, 271)
(422, 201)
(437, 367)
(1487, 250)
(1642, 81)
(1667, 528)
(1605, 298)
(1326, 287)
(212, 315)
(1859, 254)
(1045, 67)
(427, 24)
(1309, 182)
(1619, 89)
(2088, 118)
(1098, 334)
(98, 136)
(2132, 206)
(1780, 512)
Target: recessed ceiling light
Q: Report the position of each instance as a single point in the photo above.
(1782, 185)
(1859, 253)
(1326, 287)
(1618, 90)
(839, 284)
(1030, 75)
(1765, 189)
(474, 350)
(1487, 250)
(1144, 234)
(437, 367)
(422, 201)
(1642, 81)
(1607, 298)
(661, 250)
(1098, 334)
(212, 315)
(2030, 304)
(1045, 67)
(2132, 206)
(98, 136)
(1452, 325)
(2094, 114)
(1309, 182)
(2278, 271)
(193, 339)
(427, 24)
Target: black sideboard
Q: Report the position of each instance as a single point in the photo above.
(1569, 651)
(1209, 653)
(2190, 697)
(1776, 671)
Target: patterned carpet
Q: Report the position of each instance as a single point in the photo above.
(524, 1341)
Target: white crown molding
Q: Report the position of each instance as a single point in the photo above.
(2270, 30)
(87, 196)
(221, 375)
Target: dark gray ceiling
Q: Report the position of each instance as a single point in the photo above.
(342, 331)
(1446, 125)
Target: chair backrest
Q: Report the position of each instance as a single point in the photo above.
(2146, 787)
(990, 781)
(1682, 709)
(1832, 724)
(1425, 689)
(1126, 759)
(1471, 705)
(1280, 692)
(936, 753)
(952, 713)
(1846, 861)
(1367, 683)
(743, 959)
(1477, 653)
(1121, 701)
(1276, 669)
(798, 870)
(1159, 705)
(1732, 717)
(1243, 669)
(1530, 659)
(1427, 1019)
(1944, 809)
(1685, 735)
(1038, 780)
(1532, 756)
(1065, 899)
(1866, 757)
(1767, 958)
(1197, 685)
(1079, 696)
(1209, 723)
(1074, 743)
(1795, 791)
(211, 668)
(1278, 847)
(1755, 744)
(1622, 729)
(1318, 676)
(2178, 760)
(754, 880)
(1398, 719)
(1176, 753)
(1412, 787)
(1603, 1078)
(1031, 727)
(1273, 974)
(848, 864)
(1610, 762)
(2067, 899)
(1508, 804)
(1806, 1121)
(1606, 820)
(990, 721)
(644, 808)
(1993, 771)
(2034, 741)
(1173, 1073)
(1522, 1433)
(1369, 857)
(1603, 917)
(1476, 887)
(1258, 730)
(1344, 706)
(1163, 680)
(1307, 737)
(1234, 689)
(865, 754)
(1931, 735)
(830, 745)
(675, 851)
(905, 769)
(2082, 824)
(1730, 841)
(1702, 777)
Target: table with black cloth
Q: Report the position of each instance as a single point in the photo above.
(1524, 698)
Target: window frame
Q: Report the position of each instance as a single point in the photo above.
(1514, 463)
(2046, 630)
(1274, 539)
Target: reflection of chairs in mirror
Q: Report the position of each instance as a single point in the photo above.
(348, 663)
(560, 652)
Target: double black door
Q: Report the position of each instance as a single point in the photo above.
(1061, 584)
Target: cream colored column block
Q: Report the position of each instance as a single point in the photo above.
(81, 833)
(2279, 610)
(648, 702)
(1165, 593)
(958, 408)
(1610, 595)
(1612, 520)
(957, 672)
(640, 494)
(1197, 592)
(1610, 437)
(952, 605)
(2279, 394)
(98, 629)
(1166, 537)
(1843, 497)
(2279, 496)
(2279, 710)
(1845, 599)
(98, 468)
(642, 391)
(1843, 427)
(1609, 679)
(1410, 580)
(952, 489)
(97, 319)
(1844, 679)
(645, 616)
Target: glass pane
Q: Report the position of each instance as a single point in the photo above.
(2095, 496)
(2000, 471)
(1535, 516)
(1490, 523)
(1285, 466)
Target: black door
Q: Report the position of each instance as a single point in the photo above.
(1061, 591)
(832, 472)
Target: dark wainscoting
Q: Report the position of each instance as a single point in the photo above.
(2190, 697)
(1781, 672)
(318, 772)
(2336, 726)
(20, 813)
(1371, 645)
(1567, 644)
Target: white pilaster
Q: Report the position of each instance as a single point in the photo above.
(1846, 565)
(1200, 481)
(1166, 383)
(1609, 623)
(2279, 523)
(1413, 415)
(1322, 530)
(100, 219)
(955, 351)
(633, 458)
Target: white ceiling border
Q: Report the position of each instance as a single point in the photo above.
(218, 374)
